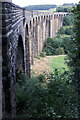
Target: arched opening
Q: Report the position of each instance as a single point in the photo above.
(49, 25)
(31, 42)
(27, 50)
(20, 56)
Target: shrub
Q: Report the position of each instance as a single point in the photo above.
(51, 44)
(61, 31)
(57, 99)
(66, 44)
(42, 54)
(41, 78)
(68, 20)
(68, 31)
(59, 51)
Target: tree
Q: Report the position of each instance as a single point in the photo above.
(68, 20)
(74, 55)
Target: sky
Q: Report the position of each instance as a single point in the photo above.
(23, 3)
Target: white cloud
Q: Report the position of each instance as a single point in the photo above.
(38, 2)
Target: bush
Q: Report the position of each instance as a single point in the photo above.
(42, 54)
(57, 99)
(66, 44)
(61, 31)
(68, 20)
(41, 78)
(59, 51)
(64, 9)
(51, 44)
(68, 31)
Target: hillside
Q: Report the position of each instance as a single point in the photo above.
(51, 8)
(40, 7)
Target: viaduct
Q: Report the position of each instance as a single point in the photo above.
(22, 38)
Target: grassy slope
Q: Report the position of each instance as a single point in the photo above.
(58, 62)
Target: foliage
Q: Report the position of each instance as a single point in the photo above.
(68, 31)
(41, 78)
(68, 20)
(42, 54)
(64, 8)
(59, 51)
(61, 31)
(66, 44)
(57, 99)
(51, 44)
(74, 52)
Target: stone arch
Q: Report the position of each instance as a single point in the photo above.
(36, 35)
(20, 55)
(27, 50)
(31, 42)
(44, 17)
(49, 25)
(39, 33)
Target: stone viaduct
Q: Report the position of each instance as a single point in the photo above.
(23, 35)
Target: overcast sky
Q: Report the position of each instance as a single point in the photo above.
(23, 3)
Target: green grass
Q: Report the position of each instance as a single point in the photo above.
(64, 35)
(59, 63)
(64, 27)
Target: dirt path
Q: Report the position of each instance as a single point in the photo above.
(42, 65)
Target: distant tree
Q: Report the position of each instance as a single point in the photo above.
(40, 7)
(68, 20)
(64, 9)
(61, 31)
(68, 4)
(68, 31)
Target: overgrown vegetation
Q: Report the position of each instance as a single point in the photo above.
(57, 46)
(74, 53)
(68, 20)
(51, 44)
(41, 97)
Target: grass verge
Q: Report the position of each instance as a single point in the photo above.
(58, 63)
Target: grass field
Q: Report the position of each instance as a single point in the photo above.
(59, 62)
(48, 63)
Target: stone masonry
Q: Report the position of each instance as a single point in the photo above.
(23, 35)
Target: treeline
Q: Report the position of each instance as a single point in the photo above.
(69, 4)
(40, 7)
(66, 7)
